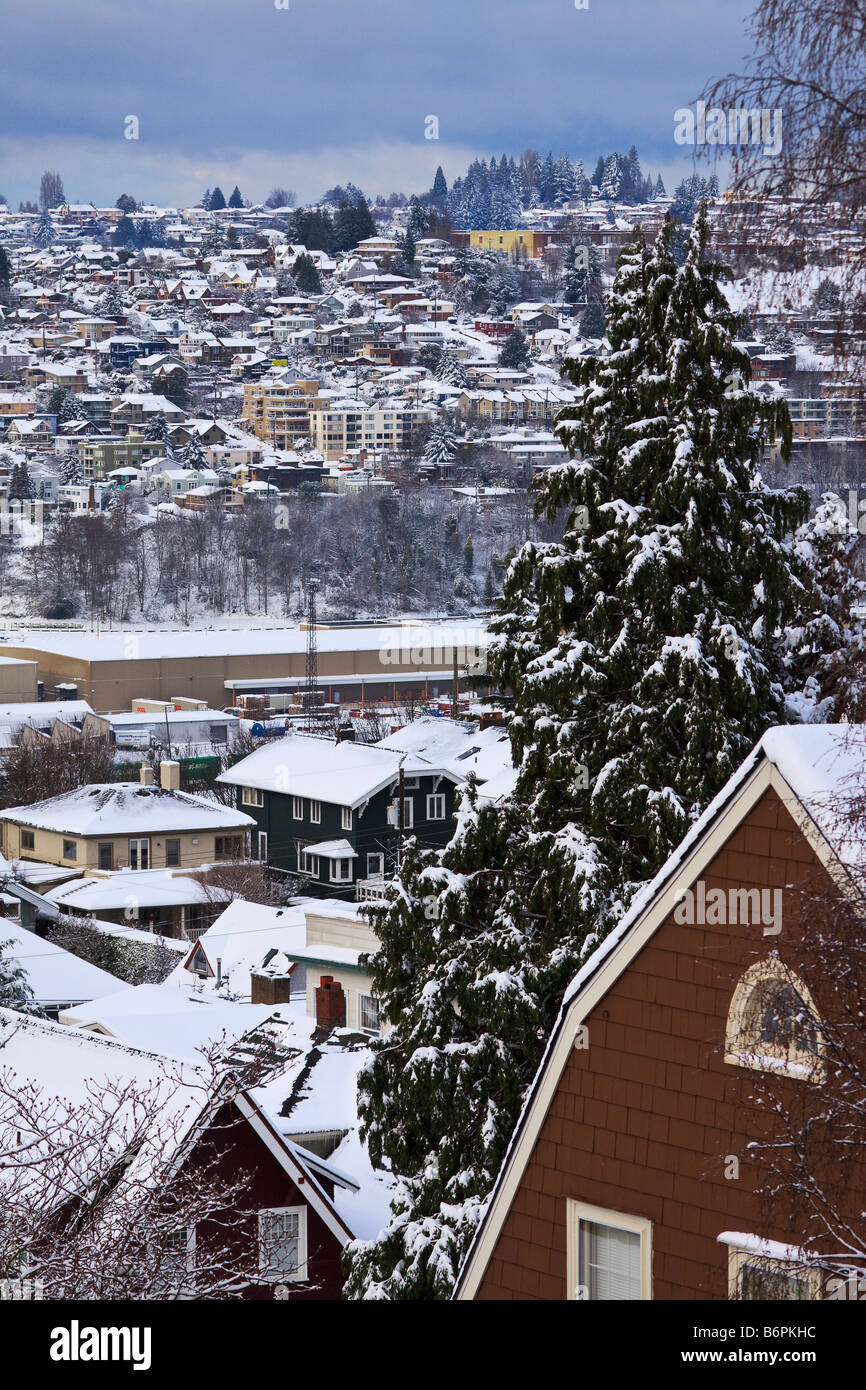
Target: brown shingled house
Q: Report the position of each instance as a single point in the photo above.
(630, 1174)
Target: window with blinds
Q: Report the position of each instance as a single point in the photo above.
(609, 1254)
(609, 1262)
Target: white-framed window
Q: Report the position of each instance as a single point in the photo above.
(283, 1242)
(297, 808)
(408, 813)
(178, 1258)
(410, 784)
(315, 811)
(609, 1255)
(436, 806)
(753, 1276)
(252, 796)
(341, 870)
(263, 846)
(309, 863)
(139, 854)
(772, 1023)
(375, 866)
(368, 1013)
(347, 818)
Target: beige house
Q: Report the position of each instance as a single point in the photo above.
(126, 825)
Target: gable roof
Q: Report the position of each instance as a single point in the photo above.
(118, 808)
(814, 769)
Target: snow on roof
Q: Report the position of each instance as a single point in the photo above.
(166, 1019)
(116, 808)
(332, 849)
(259, 641)
(43, 712)
(149, 887)
(453, 745)
(324, 1097)
(55, 975)
(342, 774)
(246, 933)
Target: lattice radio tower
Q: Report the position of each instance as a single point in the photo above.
(312, 683)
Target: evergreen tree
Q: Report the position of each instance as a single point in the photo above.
(582, 271)
(217, 200)
(157, 429)
(365, 226)
(450, 369)
(826, 661)
(70, 408)
(592, 322)
(441, 446)
(44, 234)
(827, 296)
(644, 660)
(407, 250)
(111, 303)
(564, 181)
(236, 201)
(5, 272)
(124, 232)
(306, 275)
(468, 558)
(21, 487)
(15, 990)
(598, 172)
(126, 203)
(205, 202)
(419, 223)
(514, 352)
(192, 454)
(439, 191)
(659, 191)
(547, 180)
(70, 469)
(611, 178)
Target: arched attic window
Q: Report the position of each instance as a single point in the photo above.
(773, 1023)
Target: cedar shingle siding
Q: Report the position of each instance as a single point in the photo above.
(643, 1118)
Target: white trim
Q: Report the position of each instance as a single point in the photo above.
(601, 972)
(641, 1226)
(739, 1258)
(314, 1193)
(298, 1275)
(252, 796)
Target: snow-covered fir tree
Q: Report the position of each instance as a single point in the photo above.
(514, 352)
(827, 647)
(441, 446)
(70, 469)
(192, 453)
(644, 656)
(450, 369)
(611, 178)
(44, 234)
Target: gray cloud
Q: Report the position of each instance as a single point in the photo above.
(231, 90)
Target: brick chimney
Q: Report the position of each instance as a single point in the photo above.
(330, 1003)
(169, 776)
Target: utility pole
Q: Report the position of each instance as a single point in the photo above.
(401, 821)
(454, 688)
(312, 657)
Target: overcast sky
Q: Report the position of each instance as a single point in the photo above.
(240, 91)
